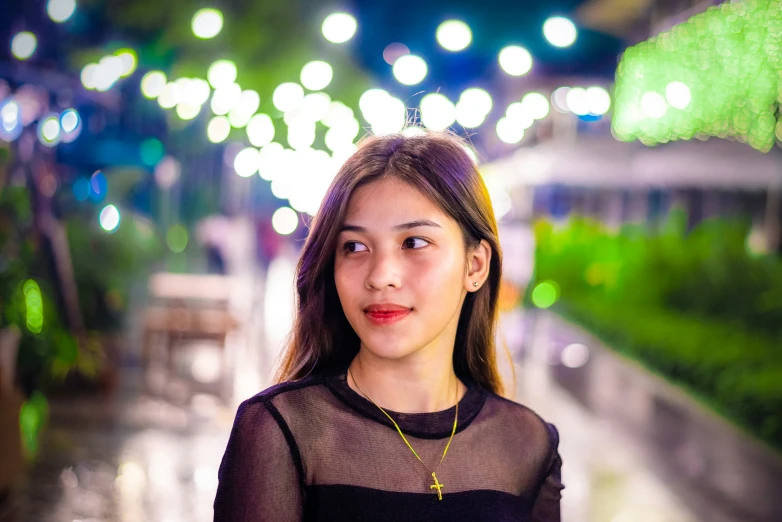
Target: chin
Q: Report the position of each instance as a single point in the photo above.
(389, 349)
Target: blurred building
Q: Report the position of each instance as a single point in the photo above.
(572, 162)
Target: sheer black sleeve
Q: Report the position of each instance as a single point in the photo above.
(547, 503)
(258, 477)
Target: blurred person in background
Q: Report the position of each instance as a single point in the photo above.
(388, 403)
(212, 233)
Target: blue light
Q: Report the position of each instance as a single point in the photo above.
(590, 117)
(98, 187)
(10, 121)
(81, 189)
(152, 151)
(70, 122)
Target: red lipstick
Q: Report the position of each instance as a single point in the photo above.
(386, 313)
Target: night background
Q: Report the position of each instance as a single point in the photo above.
(160, 161)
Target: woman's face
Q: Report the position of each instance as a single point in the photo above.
(401, 271)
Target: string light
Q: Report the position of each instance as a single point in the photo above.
(23, 45)
(207, 23)
(339, 27)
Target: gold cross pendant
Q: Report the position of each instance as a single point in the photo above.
(437, 486)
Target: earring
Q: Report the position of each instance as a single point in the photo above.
(475, 284)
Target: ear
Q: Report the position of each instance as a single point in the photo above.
(478, 261)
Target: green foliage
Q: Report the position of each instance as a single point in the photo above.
(695, 307)
(32, 418)
(47, 351)
(729, 60)
(105, 265)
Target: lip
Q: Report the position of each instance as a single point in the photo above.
(384, 314)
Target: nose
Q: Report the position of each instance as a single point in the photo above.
(384, 271)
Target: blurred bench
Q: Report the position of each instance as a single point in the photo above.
(187, 307)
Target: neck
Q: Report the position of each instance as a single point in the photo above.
(404, 387)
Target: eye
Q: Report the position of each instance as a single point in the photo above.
(353, 246)
(411, 242)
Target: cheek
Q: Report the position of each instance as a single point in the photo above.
(346, 281)
(438, 276)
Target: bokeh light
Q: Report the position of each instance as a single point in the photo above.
(301, 134)
(574, 355)
(509, 131)
(479, 98)
(316, 75)
(10, 120)
(33, 301)
(271, 161)
(243, 111)
(472, 108)
(103, 75)
(129, 61)
(393, 51)
(520, 115)
(152, 84)
(221, 73)
(285, 220)
(109, 218)
(87, 75)
(81, 189)
(225, 98)
(653, 105)
(371, 102)
(515, 60)
(545, 294)
(437, 111)
(678, 95)
(187, 111)
(60, 10)
(99, 187)
(537, 105)
(577, 101)
(389, 117)
(287, 96)
(70, 123)
(151, 151)
(260, 130)
(247, 162)
(410, 69)
(177, 239)
(218, 129)
(207, 23)
(49, 130)
(560, 31)
(454, 35)
(315, 106)
(559, 99)
(598, 99)
(339, 27)
(23, 45)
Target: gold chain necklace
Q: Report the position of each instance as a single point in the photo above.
(437, 485)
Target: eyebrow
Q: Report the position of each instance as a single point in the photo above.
(404, 226)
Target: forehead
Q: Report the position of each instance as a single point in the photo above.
(390, 200)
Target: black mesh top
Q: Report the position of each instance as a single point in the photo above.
(315, 449)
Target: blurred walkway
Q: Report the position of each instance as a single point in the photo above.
(607, 474)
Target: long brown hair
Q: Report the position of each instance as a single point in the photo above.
(322, 340)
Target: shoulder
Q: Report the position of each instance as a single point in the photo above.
(282, 390)
(275, 402)
(524, 421)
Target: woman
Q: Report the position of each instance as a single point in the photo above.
(388, 404)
